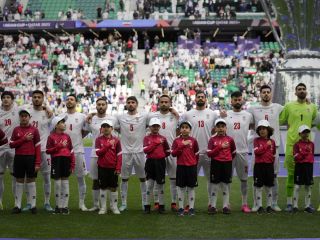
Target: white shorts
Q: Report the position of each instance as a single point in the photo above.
(94, 168)
(130, 160)
(171, 166)
(204, 162)
(240, 163)
(45, 163)
(6, 160)
(80, 168)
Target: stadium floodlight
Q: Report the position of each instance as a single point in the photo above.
(299, 23)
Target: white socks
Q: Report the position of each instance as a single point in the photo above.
(307, 197)
(32, 193)
(143, 189)
(124, 192)
(191, 197)
(259, 196)
(114, 200)
(103, 199)
(225, 194)
(150, 189)
(173, 190)
(18, 196)
(57, 193)
(65, 193)
(209, 190)
(95, 197)
(161, 193)
(244, 190)
(275, 190)
(82, 190)
(269, 196)
(46, 187)
(214, 194)
(181, 192)
(155, 193)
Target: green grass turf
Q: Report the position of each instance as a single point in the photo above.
(134, 224)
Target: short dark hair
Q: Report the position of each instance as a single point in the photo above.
(37, 92)
(201, 92)
(236, 94)
(165, 95)
(7, 93)
(300, 85)
(132, 98)
(265, 87)
(73, 95)
(102, 99)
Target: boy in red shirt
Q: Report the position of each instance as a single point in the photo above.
(221, 150)
(186, 149)
(108, 150)
(157, 149)
(303, 152)
(263, 172)
(25, 140)
(59, 146)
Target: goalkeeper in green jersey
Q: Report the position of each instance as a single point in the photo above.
(295, 114)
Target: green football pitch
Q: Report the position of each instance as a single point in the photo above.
(134, 224)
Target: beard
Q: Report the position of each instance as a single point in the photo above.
(200, 104)
(164, 108)
(131, 109)
(302, 96)
(101, 111)
(237, 106)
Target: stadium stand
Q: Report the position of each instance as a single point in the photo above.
(179, 72)
(68, 64)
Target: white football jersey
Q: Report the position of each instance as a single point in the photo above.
(270, 113)
(202, 124)
(238, 124)
(95, 126)
(40, 120)
(132, 130)
(74, 126)
(8, 121)
(168, 126)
